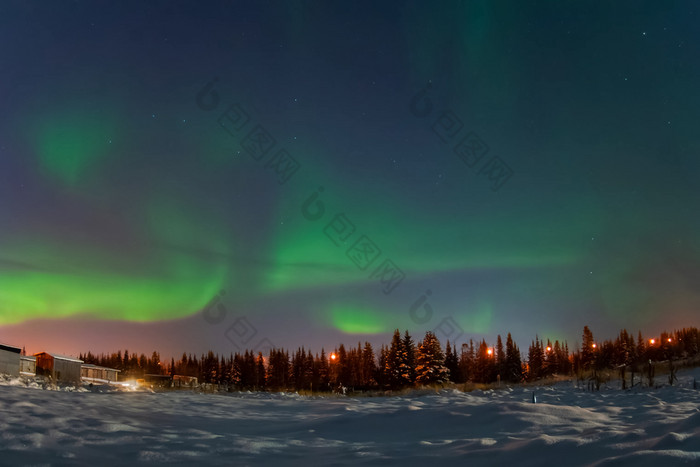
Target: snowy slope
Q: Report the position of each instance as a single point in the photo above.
(567, 425)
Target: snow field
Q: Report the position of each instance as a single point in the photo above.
(497, 427)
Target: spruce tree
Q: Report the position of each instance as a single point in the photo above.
(343, 367)
(587, 349)
(323, 372)
(260, 371)
(393, 362)
(408, 360)
(369, 366)
(535, 360)
(485, 365)
(430, 367)
(500, 358)
(514, 366)
(467, 361)
(452, 363)
(381, 374)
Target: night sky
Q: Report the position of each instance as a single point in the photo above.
(235, 175)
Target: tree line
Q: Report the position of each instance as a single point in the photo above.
(404, 363)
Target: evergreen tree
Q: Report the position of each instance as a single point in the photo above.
(393, 363)
(355, 363)
(587, 349)
(297, 370)
(485, 365)
(430, 366)
(369, 367)
(382, 379)
(514, 372)
(553, 357)
(408, 360)
(343, 367)
(452, 363)
(641, 347)
(143, 363)
(278, 369)
(535, 358)
(567, 368)
(467, 361)
(260, 371)
(500, 359)
(323, 372)
(309, 372)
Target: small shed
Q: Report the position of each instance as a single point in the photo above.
(27, 365)
(9, 359)
(158, 380)
(58, 367)
(182, 380)
(98, 374)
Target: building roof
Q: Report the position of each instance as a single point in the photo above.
(10, 348)
(27, 357)
(97, 367)
(60, 357)
(154, 376)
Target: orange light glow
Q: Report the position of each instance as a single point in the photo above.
(669, 339)
(489, 351)
(652, 341)
(594, 345)
(549, 349)
(332, 356)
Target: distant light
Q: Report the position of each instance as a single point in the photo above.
(332, 356)
(489, 351)
(549, 348)
(652, 341)
(594, 345)
(669, 339)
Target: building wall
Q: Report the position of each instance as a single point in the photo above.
(27, 365)
(108, 374)
(44, 364)
(66, 371)
(9, 363)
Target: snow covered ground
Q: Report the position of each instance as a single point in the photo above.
(566, 425)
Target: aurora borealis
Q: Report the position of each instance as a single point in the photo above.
(126, 206)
